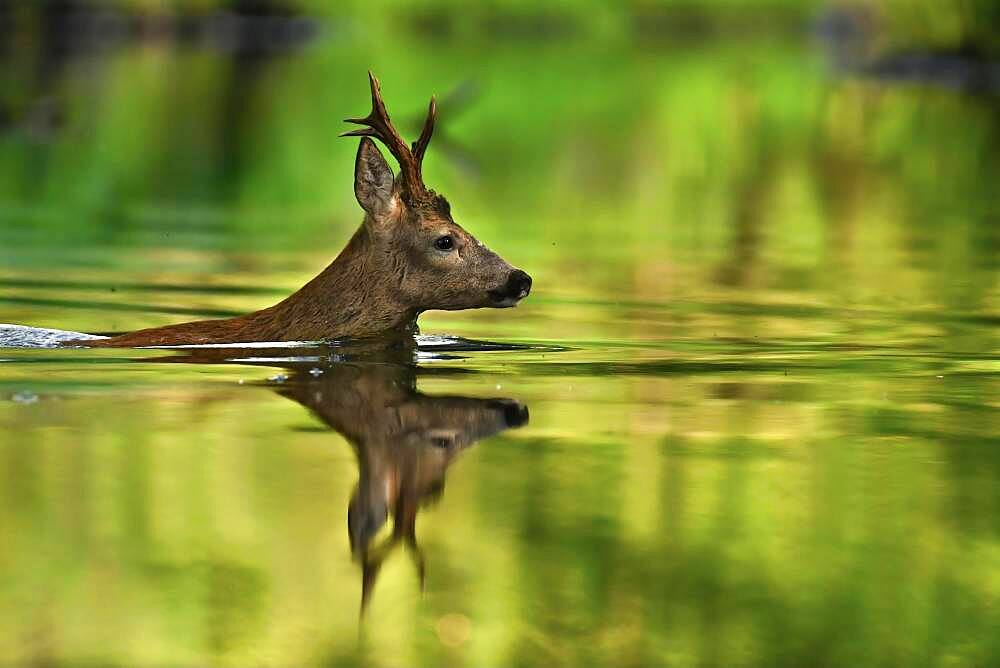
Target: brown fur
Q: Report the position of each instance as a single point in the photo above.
(387, 275)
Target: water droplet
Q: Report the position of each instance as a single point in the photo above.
(25, 398)
(315, 371)
(278, 378)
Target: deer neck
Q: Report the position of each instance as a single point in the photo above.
(357, 295)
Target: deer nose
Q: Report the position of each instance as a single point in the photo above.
(515, 414)
(518, 284)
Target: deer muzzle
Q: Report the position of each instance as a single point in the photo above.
(517, 287)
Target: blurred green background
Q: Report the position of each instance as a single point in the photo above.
(767, 231)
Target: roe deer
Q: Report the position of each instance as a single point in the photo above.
(407, 257)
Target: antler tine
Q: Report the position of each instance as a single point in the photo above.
(360, 132)
(420, 145)
(379, 126)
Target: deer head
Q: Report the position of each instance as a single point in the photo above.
(435, 263)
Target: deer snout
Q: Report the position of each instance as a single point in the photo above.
(510, 413)
(518, 284)
(517, 287)
(515, 414)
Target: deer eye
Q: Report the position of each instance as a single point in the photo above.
(445, 243)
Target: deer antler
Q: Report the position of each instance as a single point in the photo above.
(409, 158)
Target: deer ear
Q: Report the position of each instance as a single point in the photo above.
(372, 179)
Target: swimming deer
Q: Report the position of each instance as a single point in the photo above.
(408, 256)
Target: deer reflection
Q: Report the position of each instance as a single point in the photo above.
(404, 441)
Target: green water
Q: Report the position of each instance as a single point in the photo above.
(758, 366)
